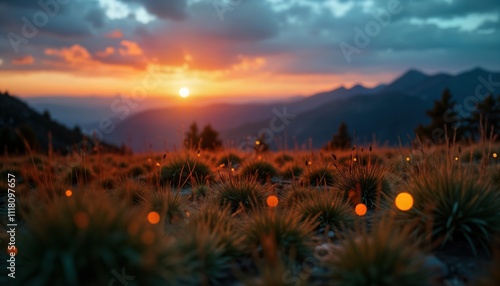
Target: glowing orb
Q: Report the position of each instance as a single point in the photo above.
(184, 92)
(404, 201)
(361, 209)
(68, 193)
(272, 201)
(153, 217)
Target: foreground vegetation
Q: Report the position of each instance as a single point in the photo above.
(372, 216)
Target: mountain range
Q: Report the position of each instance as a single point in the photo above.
(383, 113)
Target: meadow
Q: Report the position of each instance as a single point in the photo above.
(367, 216)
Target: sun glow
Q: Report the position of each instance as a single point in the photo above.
(184, 92)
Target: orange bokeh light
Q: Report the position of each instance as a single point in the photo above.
(68, 193)
(153, 217)
(404, 201)
(361, 209)
(272, 201)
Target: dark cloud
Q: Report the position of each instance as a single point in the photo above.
(302, 37)
(96, 17)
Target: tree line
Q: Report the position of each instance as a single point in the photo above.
(446, 121)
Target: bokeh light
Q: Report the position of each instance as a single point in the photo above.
(153, 217)
(68, 193)
(361, 209)
(272, 201)
(404, 201)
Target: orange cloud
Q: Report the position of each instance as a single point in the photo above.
(73, 54)
(108, 51)
(27, 60)
(115, 34)
(247, 64)
(131, 49)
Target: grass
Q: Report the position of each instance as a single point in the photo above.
(329, 210)
(452, 205)
(236, 193)
(184, 170)
(381, 257)
(262, 170)
(183, 219)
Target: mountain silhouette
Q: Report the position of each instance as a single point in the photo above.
(14, 114)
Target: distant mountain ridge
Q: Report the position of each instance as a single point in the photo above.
(15, 113)
(386, 113)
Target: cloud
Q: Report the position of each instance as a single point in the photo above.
(107, 52)
(131, 49)
(22, 61)
(96, 17)
(75, 54)
(268, 36)
(115, 34)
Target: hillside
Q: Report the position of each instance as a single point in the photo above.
(15, 114)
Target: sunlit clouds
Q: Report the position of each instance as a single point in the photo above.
(291, 48)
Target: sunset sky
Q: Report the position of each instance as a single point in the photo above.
(256, 48)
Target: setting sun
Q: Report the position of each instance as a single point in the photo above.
(184, 92)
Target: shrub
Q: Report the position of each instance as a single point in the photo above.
(328, 209)
(289, 232)
(219, 221)
(230, 159)
(320, 176)
(262, 170)
(297, 194)
(383, 257)
(206, 258)
(365, 185)
(171, 206)
(244, 192)
(292, 172)
(80, 241)
(131, 192)
(201, 190)
(181, 171)
(455, 205)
